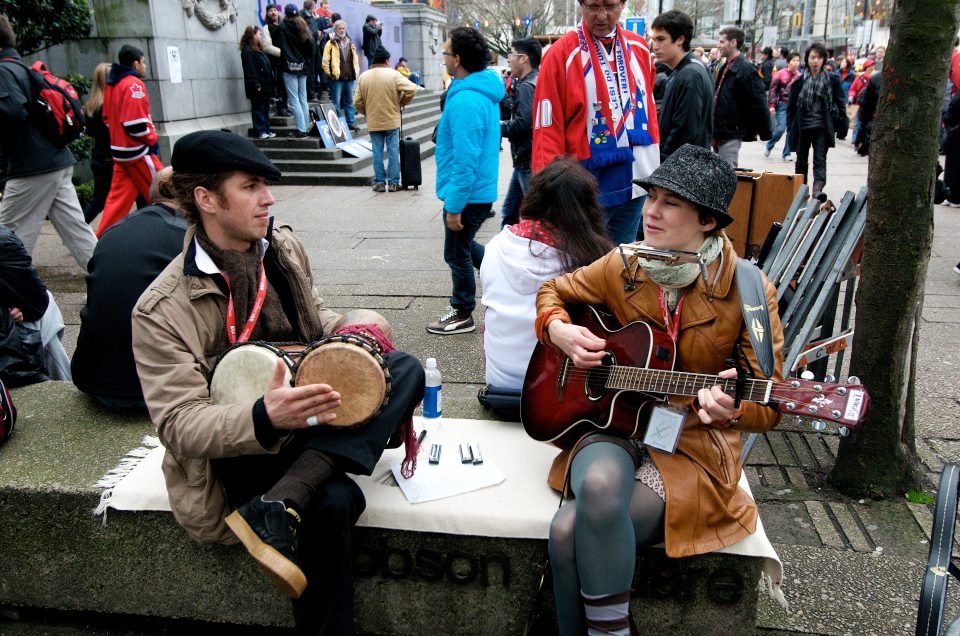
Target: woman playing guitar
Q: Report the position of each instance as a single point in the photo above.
(628, 495)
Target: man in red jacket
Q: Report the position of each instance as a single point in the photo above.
(133, 139)
(594, 102)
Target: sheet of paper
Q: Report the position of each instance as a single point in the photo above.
(446, 479)
(173, 61)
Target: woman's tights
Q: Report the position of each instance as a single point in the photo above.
(593, 539)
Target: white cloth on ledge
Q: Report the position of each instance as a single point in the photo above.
(521, 506)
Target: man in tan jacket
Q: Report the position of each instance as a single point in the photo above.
(381, 93)
(269, 459)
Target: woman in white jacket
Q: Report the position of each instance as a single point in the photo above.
(560, 229)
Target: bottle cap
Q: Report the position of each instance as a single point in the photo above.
(431, 363)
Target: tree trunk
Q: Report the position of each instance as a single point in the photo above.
(879, 458)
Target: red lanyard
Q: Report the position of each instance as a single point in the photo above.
(723, 76)
(254, 313)
(671, 325)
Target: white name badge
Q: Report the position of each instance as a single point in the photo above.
(663, 432)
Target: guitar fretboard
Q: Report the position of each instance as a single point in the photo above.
(681, 383)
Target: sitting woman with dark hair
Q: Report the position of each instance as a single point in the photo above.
(560, 229)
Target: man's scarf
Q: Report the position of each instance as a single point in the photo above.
(617, 101)
(814, 89)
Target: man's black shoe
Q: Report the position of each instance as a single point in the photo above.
(268, 530)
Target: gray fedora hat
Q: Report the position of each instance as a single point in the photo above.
(699, 176)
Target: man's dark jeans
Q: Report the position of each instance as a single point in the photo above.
(816, 137)
(519, 182)
(463, 254)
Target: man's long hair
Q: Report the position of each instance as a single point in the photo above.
(180, 188)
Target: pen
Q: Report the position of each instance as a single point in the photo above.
(420, 437)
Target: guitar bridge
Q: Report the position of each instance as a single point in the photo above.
(562, 378)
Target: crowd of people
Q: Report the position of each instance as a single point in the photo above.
(602, 156)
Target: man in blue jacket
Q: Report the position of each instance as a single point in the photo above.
(468, 156)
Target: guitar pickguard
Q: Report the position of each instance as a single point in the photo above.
(594, 385)
(555, 408)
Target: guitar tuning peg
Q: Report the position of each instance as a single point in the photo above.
(830, 378)
(836, 413)
(818, 425)
(853, 380)
(844, 431)
(807, 375)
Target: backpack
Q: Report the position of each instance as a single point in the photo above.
(53, 106)
(8, 414)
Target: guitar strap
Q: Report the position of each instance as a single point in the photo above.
(753, 304)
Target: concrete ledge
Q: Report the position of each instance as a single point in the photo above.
(56, 554)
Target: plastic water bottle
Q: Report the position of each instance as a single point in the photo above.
(433, 393)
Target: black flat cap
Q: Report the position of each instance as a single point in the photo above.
(699, 176)
(215, 151)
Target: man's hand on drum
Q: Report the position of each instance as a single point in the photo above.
(716, 407)
(579, 343)
(299, 407)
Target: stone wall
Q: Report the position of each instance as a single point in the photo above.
(210, 93)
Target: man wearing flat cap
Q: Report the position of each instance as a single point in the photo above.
(268, 471)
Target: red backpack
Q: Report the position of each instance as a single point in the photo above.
(54, 107)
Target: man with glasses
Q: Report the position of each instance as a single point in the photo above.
(594, 102)
(524, 62)
(468, 160)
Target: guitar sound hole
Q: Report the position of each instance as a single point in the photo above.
(595, 384)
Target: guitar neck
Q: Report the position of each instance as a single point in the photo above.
(681, 383)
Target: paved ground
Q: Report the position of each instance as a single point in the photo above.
(852, 567)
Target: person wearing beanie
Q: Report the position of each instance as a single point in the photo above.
(381, 94)
(297, 47)
(626, 493)
(269, 469)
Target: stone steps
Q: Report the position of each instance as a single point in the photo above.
(307, 162)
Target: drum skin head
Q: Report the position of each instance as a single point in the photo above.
(243, 375)
(353, 373)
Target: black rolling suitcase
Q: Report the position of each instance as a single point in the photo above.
(410, 174)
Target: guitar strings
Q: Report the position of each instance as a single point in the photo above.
(604, 372)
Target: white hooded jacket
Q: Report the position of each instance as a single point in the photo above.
(512, 271)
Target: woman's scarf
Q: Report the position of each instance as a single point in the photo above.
(618, 101)
(814, 88)
(675, 278)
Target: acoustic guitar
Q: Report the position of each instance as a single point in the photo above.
(561, 402)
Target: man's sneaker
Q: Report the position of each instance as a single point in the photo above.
(263, 135)
(271, 135)
(393, 187)
(379, 187)
(452, 322)
(787, 158)
(957, 268)
(766, 152)
(268, 530)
